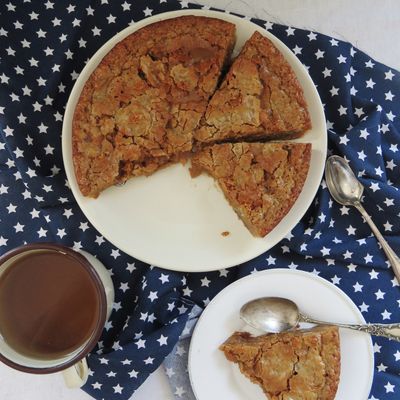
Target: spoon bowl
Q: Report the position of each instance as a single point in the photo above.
(270, 314)
(344, 187)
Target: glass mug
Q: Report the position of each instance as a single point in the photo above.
(54, 303)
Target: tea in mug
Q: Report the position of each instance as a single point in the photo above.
(49, 304)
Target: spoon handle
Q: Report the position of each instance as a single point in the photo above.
(390, 331)
(391, 255)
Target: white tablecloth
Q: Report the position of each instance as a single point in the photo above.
(372, 26)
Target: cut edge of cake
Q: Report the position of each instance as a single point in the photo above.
(261, 181)
(259, 98)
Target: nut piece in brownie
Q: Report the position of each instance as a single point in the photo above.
(139, 108)
(298, 365)
(260, 97)
(261, 181)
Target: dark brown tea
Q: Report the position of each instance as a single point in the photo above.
(49, 304)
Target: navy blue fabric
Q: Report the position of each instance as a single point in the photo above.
(44, 46)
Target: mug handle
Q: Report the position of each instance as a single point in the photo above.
(77, 375)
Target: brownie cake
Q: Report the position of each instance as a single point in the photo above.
(301, 364)
(141, 105)
(261, 181)
(260, 97)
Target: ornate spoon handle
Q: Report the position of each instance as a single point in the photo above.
(391, 255)
(390, 331)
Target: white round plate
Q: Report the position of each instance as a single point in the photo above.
(214, 377)
(173, 221)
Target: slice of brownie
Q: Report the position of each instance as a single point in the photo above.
(261, 181)
(260, 97)
(301, 364)
(139, 108)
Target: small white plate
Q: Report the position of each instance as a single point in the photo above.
(214, 377)
(173, 221)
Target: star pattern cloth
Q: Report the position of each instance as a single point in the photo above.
(44, 46)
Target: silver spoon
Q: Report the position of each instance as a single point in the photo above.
(276, 314)
(347, 190)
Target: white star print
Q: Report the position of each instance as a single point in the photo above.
(357, 287)
(344, 140)
(364, 307)
(180, 351)
(11, 208)
(374, 186)
(96, 31)
(111, 19)
(153, 296)
(126, 6)
(115, 253)
(19, 227)
(147, 12)
(297, 50)
(352, 267)
(99, 240)
(326, 72)
(386, 315)
(347, 254)
(334, 91)
(33, 62)
(97, 385)
(118, 389)
(3, 189)
(205, 282)
(361, 155)
(164, 278)
(141, 344)
(351, 230)
(379, 294)
(388, 227)
(162, 340)
(336, 280)
(389, 387)
(341, 59)
(370, 83)
(389, 96)
(289, 31)
(390, 165)
(381, 367)
(390, 116)
(124, 286)
(389, 75)
(368, 258)
(148, 360)
(61, 233)
(42, 232)
(179, 391)
(133, 374)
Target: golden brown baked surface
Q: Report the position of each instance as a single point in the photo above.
(140, 106)
(261, 181)
(260, 97)
(297, 365)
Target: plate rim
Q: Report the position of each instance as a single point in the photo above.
(250, 277)
(75, 94)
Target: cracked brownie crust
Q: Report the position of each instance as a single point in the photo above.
(261, 181)
(260, 97)
(139, 108)
(297, 365)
